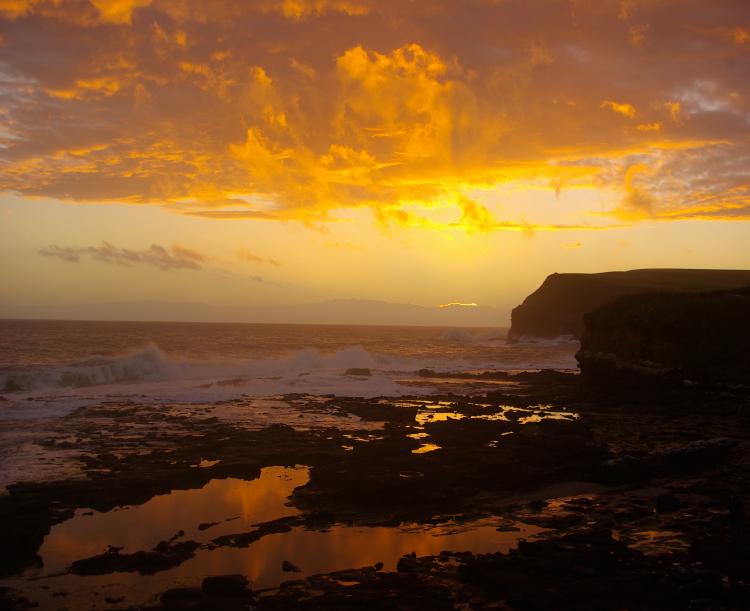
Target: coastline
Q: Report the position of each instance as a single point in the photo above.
(657, 486)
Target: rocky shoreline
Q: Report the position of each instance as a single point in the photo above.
(641, 500)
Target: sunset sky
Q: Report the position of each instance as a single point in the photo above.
(259, 152)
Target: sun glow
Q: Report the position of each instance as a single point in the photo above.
(276, 139)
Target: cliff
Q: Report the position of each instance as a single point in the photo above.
(558, 306)
(664, 338)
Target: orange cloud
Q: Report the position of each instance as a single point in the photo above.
(649, 127)
(624, 109)
(295, 110)
(118, 11)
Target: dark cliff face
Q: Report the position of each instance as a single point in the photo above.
(669, 337)
(559, 305)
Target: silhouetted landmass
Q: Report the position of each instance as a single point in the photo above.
(642, 495)
(558, 306)
(669, 337)
(332, 312)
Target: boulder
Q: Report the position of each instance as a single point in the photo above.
(226, 586)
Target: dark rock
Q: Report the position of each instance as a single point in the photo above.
(11, 600)
(177, 597)
(587, 571)
(736, 508)
(288, 567)
(558, 306)
(537, 504)
(700, 453)
(163, 557)
(667, 503)
(266, 528)
(663, 340)
(227, 586)
(379, 566)
(467, 431)
(408, 563)
(206, 525)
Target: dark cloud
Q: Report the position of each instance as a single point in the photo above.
(178, 257)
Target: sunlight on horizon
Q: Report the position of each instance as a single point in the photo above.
(277, 153)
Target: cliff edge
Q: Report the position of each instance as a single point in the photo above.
(666, 338)
(558, 306)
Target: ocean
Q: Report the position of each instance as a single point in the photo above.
(57, 365)
(74, 394)
(243, 373)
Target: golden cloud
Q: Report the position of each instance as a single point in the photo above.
(294, 110)
(621, 108)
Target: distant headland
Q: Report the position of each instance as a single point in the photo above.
(558, 306)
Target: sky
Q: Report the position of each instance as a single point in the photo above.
(293, 151)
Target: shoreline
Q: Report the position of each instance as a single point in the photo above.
(505, 455)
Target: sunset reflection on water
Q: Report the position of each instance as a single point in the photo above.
(235, 506)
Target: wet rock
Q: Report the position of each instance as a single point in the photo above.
(374, 411)
(666, 503)
(288, 567)
(736, 508)
(585, 571)
(10, 600)
(179, 597)
(700, 453)
(113, 600)
(273, 527)
(206, 525)
(537, 504)
(467, 431)
(163, 557)
(408, 563)
(226, 586)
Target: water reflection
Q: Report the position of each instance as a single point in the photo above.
(232, 506)
(426, 447)
(234, 503)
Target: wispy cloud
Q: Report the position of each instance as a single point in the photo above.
(246, 255)
(176, 257)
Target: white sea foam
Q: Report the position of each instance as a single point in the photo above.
(149, 375)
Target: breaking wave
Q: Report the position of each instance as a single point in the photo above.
(152, 375)
(153, 365)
